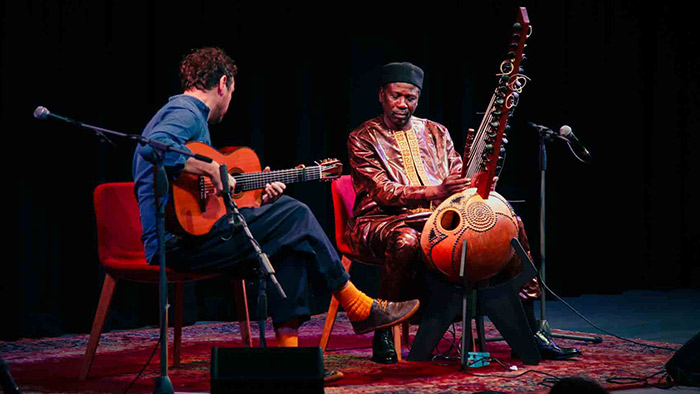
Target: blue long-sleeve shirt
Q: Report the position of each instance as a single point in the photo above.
(181, 120)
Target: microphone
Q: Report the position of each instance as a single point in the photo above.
(565, 131)
(41, 112)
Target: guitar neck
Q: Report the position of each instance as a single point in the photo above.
(258, 180)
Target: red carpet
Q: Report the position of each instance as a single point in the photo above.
(51, 365)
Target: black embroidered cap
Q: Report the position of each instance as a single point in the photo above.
(402, 72)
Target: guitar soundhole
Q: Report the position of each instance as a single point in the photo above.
(237, 192)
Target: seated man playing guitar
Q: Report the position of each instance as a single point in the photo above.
(285, 228)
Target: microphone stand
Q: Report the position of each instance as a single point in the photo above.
(266, 269)
(546, 136)
(163, 385)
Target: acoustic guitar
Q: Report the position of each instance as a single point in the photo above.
(195, 206)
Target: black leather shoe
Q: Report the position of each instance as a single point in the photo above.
(550, 351)
(383, 351)
(385, 314)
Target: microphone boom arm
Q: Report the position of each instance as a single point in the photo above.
(43, 112)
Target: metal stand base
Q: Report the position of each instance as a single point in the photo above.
(163, 386)
(544, 327)
(7, 384)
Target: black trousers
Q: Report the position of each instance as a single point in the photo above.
(304, 259)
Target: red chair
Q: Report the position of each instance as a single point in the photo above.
(343, 201)
(120, 251)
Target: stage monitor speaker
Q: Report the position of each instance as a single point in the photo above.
(684, 366)
(266, 370)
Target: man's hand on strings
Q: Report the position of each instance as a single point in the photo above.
(215, 177)
(272, 191)
(211, 171)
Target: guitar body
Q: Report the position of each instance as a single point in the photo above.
(196, 211)
(195, 207)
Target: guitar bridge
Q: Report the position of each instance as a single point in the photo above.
(202, 194)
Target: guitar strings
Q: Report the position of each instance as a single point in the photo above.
(258, 180)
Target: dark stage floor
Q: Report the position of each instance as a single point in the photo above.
(666, 316)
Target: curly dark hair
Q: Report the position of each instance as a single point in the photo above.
(202, 68)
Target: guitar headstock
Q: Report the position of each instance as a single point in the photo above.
(330, 169)
(510, 85)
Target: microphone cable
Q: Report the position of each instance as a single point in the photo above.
(155, 348)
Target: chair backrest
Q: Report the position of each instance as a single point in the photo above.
(118, 225)
(343, 201)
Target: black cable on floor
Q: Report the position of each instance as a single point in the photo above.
(155, 348)
(631, 379)
(548, 381)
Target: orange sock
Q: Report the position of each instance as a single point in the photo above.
(356, 303)
(287, 338)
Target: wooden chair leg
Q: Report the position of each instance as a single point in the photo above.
(243, 314)
(396, 330)
(177, 320)
(328, 325)
(98, 324)
(347, 263)
(332, 312)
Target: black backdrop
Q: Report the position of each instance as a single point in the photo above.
(623, 75)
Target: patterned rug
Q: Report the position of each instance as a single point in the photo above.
(51, 365)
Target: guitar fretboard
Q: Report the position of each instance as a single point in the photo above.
(258, 180)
